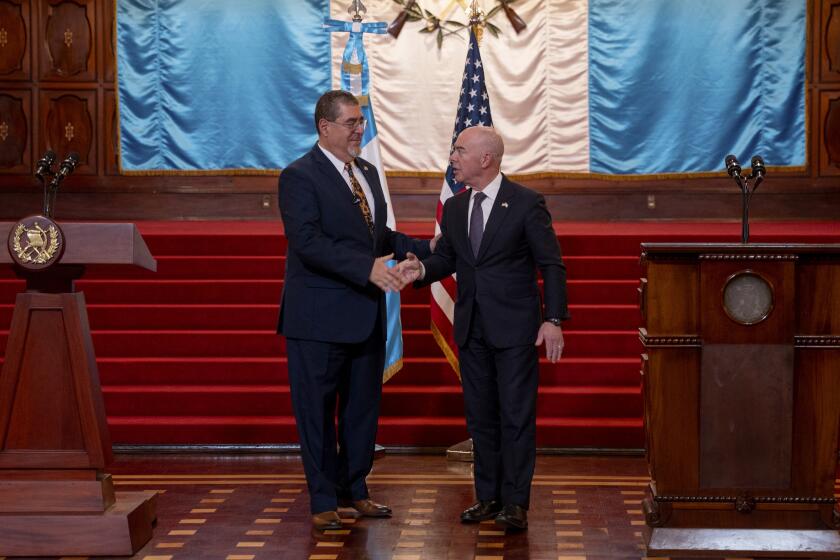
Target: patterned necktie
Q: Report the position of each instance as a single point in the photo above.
(359, 194)
(477, 222)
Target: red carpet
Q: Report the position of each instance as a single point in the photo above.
(188, 354)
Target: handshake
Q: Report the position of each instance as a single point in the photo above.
(398, 277)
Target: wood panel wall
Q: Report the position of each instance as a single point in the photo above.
(57, 91)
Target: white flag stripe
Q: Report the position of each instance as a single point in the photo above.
(443, 300)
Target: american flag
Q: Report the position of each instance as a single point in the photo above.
(473, 109)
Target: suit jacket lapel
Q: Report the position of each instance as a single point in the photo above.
(497, 215)
(336, 180)
(371, 174)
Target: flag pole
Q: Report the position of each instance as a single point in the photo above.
(463, 451)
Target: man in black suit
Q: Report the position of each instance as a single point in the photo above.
(333, 306)
(495, 236)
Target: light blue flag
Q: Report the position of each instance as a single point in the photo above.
(675, 85)
(355, 78)
(216, 85)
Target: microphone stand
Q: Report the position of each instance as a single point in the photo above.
(747, 184)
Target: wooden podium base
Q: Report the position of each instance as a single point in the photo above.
(121, 530)
(743, 543)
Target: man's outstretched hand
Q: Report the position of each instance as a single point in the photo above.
(410, 270)
(387, 279)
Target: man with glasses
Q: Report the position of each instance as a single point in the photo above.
(333, 306)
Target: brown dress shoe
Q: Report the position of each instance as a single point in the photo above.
(326, 520)
(367, 507)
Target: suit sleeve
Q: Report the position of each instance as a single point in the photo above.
(543, 242)
(302, 224)
(441, 263)
(400, 244)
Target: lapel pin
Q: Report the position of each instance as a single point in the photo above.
(504, 204)
(365, 168)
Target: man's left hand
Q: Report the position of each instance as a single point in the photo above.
(553, 338)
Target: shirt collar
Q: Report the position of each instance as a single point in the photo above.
(334, 160)
(492, 189)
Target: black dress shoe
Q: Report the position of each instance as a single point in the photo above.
(513, 517)
(481, 510)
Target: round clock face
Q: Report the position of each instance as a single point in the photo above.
(747, 298)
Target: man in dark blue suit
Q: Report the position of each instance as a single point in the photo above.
(333, 306)
(495, 237)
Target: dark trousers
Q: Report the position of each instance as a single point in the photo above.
(321, 376)
(500, 402)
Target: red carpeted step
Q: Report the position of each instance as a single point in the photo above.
(196, 430)
(197, 370)
(182, 291)
(417, 431)
(590, 432)
(584, 317)
(602, 267)
(247, 370)
(113, 343)
(187, 317)
(170, 267)
(578, 343)
(226, 292)
(217, 243)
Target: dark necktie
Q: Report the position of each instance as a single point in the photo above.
(477, 222)
(359, 194)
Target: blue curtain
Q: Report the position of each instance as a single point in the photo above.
(214, 85)
(675, 85)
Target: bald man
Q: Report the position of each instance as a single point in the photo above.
(495, 236)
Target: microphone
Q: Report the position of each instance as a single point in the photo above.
(758, 169)
(732, 166)
(44, 165)
(67, 166)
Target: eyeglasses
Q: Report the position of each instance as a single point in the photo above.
(352, 125)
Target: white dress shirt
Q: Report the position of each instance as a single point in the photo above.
(491, 191)
(339, 165)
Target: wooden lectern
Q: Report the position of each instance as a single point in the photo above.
(55, 497)
(741, 381)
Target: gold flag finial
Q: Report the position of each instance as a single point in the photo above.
(476, 19)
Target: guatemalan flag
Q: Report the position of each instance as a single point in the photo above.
(355, 78)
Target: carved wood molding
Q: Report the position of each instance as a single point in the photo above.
(14, 40)
(831, 132)
(68, 45)
(15, 131)
(744, 497)
(831, 42)
(670, 340)
(68, 125)
(749, 257)
(817, 341)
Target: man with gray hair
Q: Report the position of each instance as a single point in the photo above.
(333, 307)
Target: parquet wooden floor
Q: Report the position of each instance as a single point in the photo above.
(255, 507)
